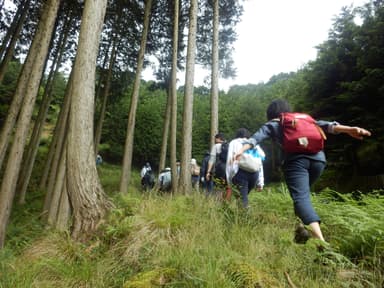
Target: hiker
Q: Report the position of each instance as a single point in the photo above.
(165, 180)
(207, 184)
(99, 160)
(147, 177)
(300, 169)
(217, 163)
(245, 178)
(195, 174)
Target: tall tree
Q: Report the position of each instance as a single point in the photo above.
(164, 142)
(55, 156)
(34, 141)
(86, 194)
(186, 148)
(173, 93)
(128, 149)
(215, 74)
(30, 81)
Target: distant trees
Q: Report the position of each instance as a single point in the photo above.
(345, 84)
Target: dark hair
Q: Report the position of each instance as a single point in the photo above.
(277, 107)
(242, 133)
(220, 136)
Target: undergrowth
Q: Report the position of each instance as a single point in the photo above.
(152, 240)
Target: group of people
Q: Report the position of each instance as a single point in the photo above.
(225, 166)
(301, 169)
(165, 176)
(148, 178)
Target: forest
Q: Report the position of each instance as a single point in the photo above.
(71, 88)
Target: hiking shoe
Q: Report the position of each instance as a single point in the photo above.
(301, 234)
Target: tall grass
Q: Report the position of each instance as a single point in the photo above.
(152, 240)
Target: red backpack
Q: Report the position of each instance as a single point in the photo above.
(301, 134)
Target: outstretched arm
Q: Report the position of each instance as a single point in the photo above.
(244, 148)
(355, 132)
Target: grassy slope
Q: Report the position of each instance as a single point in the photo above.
(192, 241)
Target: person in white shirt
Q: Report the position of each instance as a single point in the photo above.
(244, 180)
(147, 177)
(165, 180)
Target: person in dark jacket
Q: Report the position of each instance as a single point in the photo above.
(206, 184)
(147, 177)
(300, 170)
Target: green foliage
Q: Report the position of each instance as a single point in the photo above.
(193, 241)
(345, 81)
(246, 276)
(8, 87)
(358, 228)
(109, 176)
(26, 223)
(151, 240)
(154, 278)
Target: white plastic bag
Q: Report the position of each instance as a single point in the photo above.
(249, 163)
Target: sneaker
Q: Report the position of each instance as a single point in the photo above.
(301, 234)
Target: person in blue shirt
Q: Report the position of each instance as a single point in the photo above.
(300, 170)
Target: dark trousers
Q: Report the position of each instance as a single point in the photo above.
(300, 174)
(245, 182)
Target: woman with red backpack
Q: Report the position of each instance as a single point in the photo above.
(301, 168)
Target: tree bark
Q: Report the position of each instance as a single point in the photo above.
(8, 186)
(20, 92)
(57, 189)
(164, 142)
(215, 74)
(33, 146)
(86, 195)
(108, 78)
(64, 213)
(55, 149)
(185, 184)
(173, 93)
(128, 149)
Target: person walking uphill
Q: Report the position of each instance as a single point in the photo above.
(245, 177)
(207, 184)
(195, 174)
(301, 169)
(217, 164)
(147, 177)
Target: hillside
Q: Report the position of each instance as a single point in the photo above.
(157, 240)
